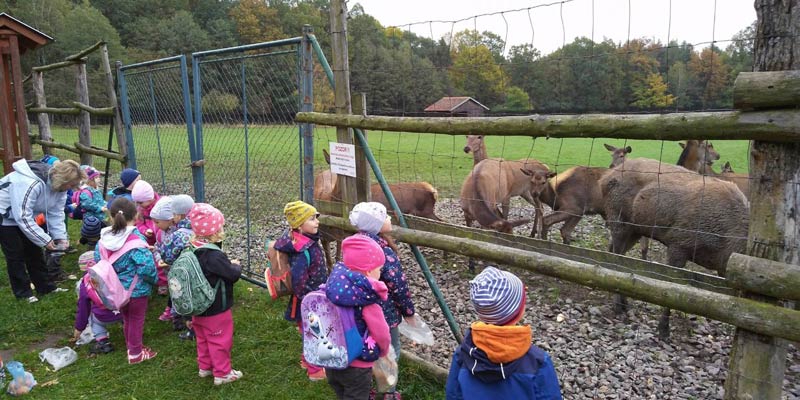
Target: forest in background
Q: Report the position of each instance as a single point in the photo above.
(400, 72)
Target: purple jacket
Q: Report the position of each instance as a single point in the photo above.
(87, 306)
(399, 303)
(307, 272)
(174, 240)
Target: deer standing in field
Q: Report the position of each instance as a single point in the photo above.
(575, 193)
(477, 147)
(742, 181)
(696, 155)
(699, 219)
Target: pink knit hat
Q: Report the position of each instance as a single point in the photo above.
(86, 260)
(142, 191)
(361, 253)
(205, 219)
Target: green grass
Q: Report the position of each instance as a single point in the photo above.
(266, 348)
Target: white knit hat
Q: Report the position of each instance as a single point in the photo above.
(368, 217)
(162, 210)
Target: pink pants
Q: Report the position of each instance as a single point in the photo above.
(310, 368)
(133, 315)
(162, 276)
(214, 336)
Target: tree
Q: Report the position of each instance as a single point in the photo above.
(256, 22)
(681, 84)
(653, 94)
(179, 34)
(471, 38)
(520, 68)
(475, 73)
(516, 100)
(712, 77)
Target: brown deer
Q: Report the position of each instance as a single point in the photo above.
(742, 181)
(699, 219)
(696, 155)
(476, 145)
(575, 193)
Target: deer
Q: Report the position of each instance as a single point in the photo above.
(494, 182)
(699, 219)
(742, 181)
(696, 155)
(575, 193)
(477, 146)
(413, 198)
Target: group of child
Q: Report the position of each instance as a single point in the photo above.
(496, 359)
(146, 235)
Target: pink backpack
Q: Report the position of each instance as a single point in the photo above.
(87, 283)
(104, 280)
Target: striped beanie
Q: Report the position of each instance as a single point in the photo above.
(91, 227)
(497, 296)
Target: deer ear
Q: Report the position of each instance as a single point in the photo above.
(609, 147)
(551, 175)
(526, 171)
(628, 150)
(683, 145)
(327, 156)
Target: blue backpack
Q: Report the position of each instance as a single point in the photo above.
(75, 198)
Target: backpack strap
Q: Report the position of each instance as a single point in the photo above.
(131, 242)
(219, 284)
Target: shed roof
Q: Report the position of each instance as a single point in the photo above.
(451, 103)
(30, 38)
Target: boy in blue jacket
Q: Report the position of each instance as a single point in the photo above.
(497, 358)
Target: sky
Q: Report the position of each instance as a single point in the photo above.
(549, 24)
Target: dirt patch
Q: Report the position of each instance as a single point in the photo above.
(50, 340)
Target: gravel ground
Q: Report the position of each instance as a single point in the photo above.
(597, 355)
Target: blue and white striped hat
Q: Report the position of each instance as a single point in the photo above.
(496, 296)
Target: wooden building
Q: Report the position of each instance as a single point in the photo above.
(16, 37)
(458, 107)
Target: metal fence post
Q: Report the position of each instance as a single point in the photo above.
(199, 189)
(126, 116)
(307, 104)
(197, 174)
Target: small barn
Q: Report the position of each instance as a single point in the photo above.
(458, 107)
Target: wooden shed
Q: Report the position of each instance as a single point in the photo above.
(16, 37)
(458, 107)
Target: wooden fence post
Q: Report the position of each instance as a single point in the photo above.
(757, 362)
(41, 102)
(111, 92)
(353, 190)
(84, 120)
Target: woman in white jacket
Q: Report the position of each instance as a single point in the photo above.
(34, 187)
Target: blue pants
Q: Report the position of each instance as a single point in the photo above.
(99, 330)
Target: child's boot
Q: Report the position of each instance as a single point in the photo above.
(166, 315)
(145, 355)
(102, 346)
(232, 376)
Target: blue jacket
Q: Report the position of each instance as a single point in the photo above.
(137, 261)
(499, 362)
(92, 202)
(307, 272)
(399, 303)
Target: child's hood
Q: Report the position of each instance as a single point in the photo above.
(494, 353)
(112, 242)
(350, 289)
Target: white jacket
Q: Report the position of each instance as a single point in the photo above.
(25, 193)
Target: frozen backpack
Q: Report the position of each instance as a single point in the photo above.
(104, 281)
(330, 335)
(278, 274)
(78, 211)
(188, 287)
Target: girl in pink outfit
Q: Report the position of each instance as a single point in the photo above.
(355, 283)
(146, 198)
(214, 327)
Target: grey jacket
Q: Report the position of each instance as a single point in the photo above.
(25, 193)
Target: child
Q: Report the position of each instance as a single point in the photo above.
(214, 327)
(145, 198)
(181, 205)
(90, 200)
(139, 262)
(128, 177)
(90, 230)
(354, 283)
(372, 221)
(170, 241)
(89, 313)
(497, 359)
(307, 261)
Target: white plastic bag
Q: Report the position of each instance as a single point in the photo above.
(22, 382)
(385, 372)
(59, 358)
(86, 337)
(418, 331)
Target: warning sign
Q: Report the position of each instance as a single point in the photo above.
(343, 159)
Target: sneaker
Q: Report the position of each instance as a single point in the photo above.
(205, 373)
(60, 290)
(103, 346)
(33, 299)
(232, 376)
(317, 376)
(145, 355)
(392, 396)
(166, 315)
(188, 335)
(303, 364)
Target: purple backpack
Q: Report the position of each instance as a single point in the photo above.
(330, 335)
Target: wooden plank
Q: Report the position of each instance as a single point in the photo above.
(766, 89)
(57, 65)
(755, 316)
(42, 119)
(766, 277)
(19, 99)
(5, 122)
(774, 125)
(84, 118)
(111, 93)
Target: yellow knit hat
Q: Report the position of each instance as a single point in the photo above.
(298, 212)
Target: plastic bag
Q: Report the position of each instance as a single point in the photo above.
(385, 372)
(22, 381)
(86, 337)
(59, 358)
(418, 331)
(2, 374)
